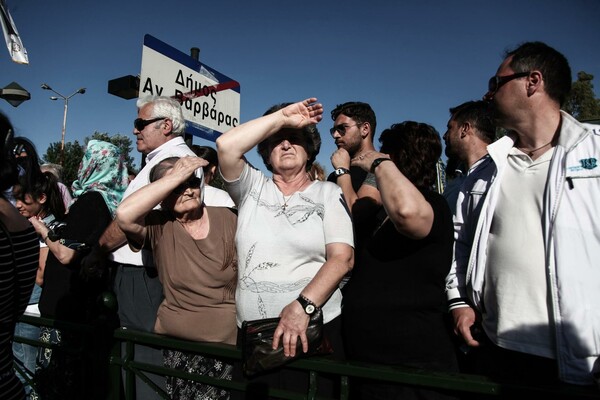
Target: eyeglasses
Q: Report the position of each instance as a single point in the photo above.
(496, 82)
(140, 123)
(19, 148)
(341, 128)
(193, 182)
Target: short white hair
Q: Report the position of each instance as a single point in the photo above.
(167, 107)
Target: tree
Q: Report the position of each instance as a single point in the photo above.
(73, 156)
(74, 153)
(581, 102)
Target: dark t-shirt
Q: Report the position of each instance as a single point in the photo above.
(394, 305)
(65, 296)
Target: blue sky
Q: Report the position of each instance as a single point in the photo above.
(408, 59)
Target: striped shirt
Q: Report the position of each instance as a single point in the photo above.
(16, 284)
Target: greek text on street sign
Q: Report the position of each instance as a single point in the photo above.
(209, 99)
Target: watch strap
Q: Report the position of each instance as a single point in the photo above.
(307, 305)
(341, 171)
(378, 161)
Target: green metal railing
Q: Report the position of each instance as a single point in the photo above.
(124, 363)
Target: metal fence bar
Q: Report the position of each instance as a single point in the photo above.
(123, 364)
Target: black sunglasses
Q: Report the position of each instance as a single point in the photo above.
(140, 124)
(194, 183)
(341, 128)
(496, 82)
(19, 148)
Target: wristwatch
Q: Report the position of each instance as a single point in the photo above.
(308, 306)
(378, 161)
(341, 171)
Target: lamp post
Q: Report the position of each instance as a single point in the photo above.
(64, 126)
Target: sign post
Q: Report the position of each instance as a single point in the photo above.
(210, 100)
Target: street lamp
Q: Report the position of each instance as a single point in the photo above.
(64, 126)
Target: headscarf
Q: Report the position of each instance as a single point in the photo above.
(102, 170)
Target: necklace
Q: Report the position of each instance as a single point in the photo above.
(284, 206)
(530, 152)
(360, 156)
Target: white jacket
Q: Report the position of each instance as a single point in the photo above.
(571, 228)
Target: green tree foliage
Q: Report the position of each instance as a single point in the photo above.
(72, 159)
(582, 103)
(74, 154)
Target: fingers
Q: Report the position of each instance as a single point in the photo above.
(277, 336)
(192, 161)
(187, 165)
(293, 324)
(309, 101)
(464, 320)
(304, 341)
(315, 110)
(465, 332)
(340, 158)
(290, 343)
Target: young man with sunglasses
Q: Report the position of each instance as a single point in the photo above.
(158, 129)
(532, 278)
(353, 131)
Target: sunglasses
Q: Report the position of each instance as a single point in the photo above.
(341, 129)
(496, 82)
(140, 124)
(20, 148)
(193, 182)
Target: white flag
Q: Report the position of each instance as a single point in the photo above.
(13, 41)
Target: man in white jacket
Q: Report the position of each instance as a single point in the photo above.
(532, 276)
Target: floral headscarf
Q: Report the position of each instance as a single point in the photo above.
(102, 170)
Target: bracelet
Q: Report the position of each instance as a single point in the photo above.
(378, 161)
(46, 238)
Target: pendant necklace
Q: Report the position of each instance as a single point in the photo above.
(530, 152)
(284, 206)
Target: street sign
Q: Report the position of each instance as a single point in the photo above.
(209, 99)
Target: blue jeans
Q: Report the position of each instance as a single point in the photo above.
(23, 352)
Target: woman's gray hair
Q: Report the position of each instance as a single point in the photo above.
(309, 133)
(167, 107)
(54, 169)
(160, 169)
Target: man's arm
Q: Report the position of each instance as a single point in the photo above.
(468, 208)
(112, 238)
(367, 198)
(94, 264)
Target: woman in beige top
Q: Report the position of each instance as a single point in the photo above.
(194, 251)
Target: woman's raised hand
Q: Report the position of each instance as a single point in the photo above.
(186, 166)
(303, 113)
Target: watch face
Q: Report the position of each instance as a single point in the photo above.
(309, 309)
